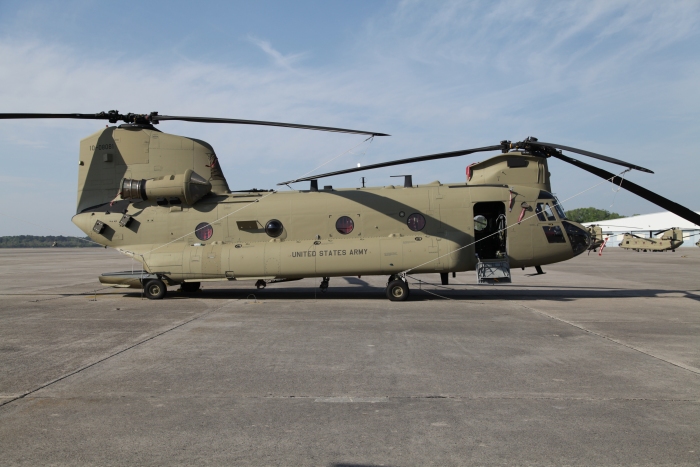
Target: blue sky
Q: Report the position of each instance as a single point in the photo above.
(620, 78)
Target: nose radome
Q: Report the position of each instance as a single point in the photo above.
(579, 237)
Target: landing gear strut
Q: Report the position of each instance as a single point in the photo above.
(324, 284)
(397, 289)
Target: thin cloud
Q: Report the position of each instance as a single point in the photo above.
(437, 76)
(283, 61)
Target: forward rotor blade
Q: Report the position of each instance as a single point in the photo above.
(594, 155)
(153, 118)
(642, 192)
(263, 123)
(430, 157)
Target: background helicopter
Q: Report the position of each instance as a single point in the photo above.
(664, 240)
(163, 200)
(598, 237)
(646, 232)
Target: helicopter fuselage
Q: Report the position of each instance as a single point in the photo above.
(326, 233)
(164, 200)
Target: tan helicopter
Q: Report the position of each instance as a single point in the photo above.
(163, 200)
(597, 237)
(664, 240)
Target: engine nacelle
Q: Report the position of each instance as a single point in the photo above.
(188, 187)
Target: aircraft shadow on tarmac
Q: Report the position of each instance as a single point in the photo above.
(425, 293)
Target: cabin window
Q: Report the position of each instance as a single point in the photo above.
(204, 231)
(344, 225)
(416, 222)
(274, 228)
(480, 223)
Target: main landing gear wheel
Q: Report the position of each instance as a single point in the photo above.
(324, 284)
(154, 289)
(397, 291)
(190, 287)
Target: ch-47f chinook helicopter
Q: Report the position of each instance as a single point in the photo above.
(664, 240)
(597, 238)
(163, 200)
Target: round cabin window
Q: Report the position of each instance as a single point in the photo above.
(416, 222)
(274, 228)
(344, 225)
(204, 231)
(480, 223)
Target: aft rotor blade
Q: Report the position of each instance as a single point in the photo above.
(642, 192)
(594, 155)
(430, 157)
(263, 123)
(13, 116)
(153, 118)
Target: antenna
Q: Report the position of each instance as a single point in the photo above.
(407, 180)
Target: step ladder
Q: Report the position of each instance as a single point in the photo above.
(493, 271)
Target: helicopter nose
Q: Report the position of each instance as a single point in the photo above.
(579, 238)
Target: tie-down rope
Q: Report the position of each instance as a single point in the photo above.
(403, 273)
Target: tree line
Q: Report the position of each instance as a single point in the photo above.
(48, 241)
(582, 215)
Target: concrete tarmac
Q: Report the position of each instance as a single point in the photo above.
(597, 362)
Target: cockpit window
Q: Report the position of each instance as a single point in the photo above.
(540, 214)
(544, 212)
(559, 208)
(549, 213)
(554, 234)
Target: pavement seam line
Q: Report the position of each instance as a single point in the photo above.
(445, 398)
(457, 397)
(75, 372)
(603, 336)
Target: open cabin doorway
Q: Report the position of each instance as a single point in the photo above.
(489, 218)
